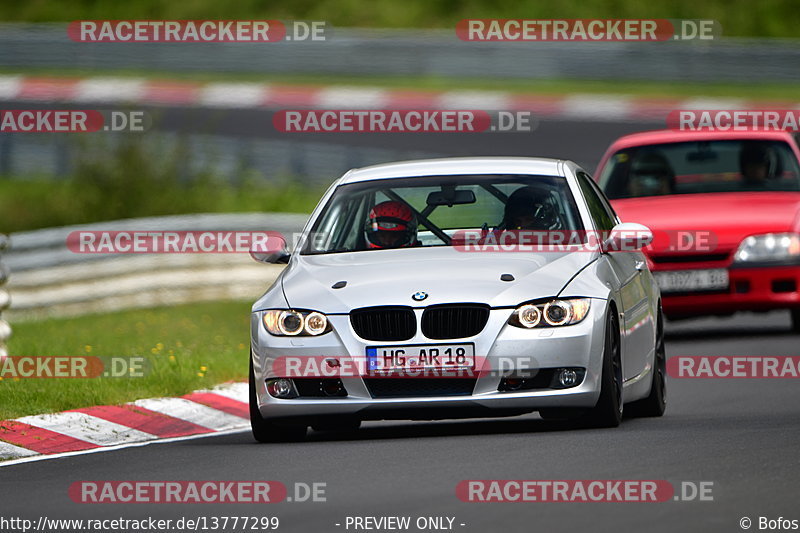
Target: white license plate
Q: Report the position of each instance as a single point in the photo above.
(692, 280)
(420, 357)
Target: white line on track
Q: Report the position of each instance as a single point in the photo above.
(10, 87)
(110, 90)
(87, 428)
(235, 391)
(234, 94)
(9, 450)
(193, 412)
(120, 447)
(351, 97)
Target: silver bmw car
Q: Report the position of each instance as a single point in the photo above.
(455, 288)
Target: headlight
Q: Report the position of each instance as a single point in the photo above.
(768, 247)
(290, 323)
(528, 316)
(550, 314)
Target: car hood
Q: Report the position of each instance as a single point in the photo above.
(391, 277)
(730, 217)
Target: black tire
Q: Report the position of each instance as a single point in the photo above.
(795, 320)
(607, 413)
(264, 431)
(656, 402)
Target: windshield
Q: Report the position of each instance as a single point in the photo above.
(428, 211)
(700, 167)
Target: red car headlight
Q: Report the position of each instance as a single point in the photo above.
(768, 247)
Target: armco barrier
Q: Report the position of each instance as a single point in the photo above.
(406, 52)
(50, 280)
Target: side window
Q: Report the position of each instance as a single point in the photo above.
(602, 213)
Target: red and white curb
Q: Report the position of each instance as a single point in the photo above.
(107, 90)
(222, 409)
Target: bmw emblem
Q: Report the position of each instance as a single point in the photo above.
(419, 296)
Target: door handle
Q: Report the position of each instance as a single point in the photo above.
(640, 265)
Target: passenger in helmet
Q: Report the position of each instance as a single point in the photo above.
(391, 224)
(528, 208)
(756, 162)
(650, 175)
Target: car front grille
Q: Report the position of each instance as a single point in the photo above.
(421, 387)
(384, 323)
(691, 258)
(454, 321)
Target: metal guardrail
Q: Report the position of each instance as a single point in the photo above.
(397, 52)
(49, 280)
(228, 157)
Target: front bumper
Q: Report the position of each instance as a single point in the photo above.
(576, 346)
(751, 289)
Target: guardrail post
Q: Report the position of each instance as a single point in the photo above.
(5, 300)
(6, 154)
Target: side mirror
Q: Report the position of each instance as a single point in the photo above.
(272, 258)
(272, 251)
(628, 237)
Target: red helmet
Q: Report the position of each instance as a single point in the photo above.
(391, 225)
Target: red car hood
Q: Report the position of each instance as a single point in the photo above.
(729, 217)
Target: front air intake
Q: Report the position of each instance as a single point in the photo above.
(384, 323)
(454, 321)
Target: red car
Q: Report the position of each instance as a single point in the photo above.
(725, 211)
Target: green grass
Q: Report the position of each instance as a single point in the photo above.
(552, 87)
(137, 179)
(178, 342)
(34, 204)
(769, 18)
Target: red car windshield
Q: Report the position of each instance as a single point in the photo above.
(700, 167)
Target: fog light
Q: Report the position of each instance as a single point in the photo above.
(567, 377)
(281, 388)
(332, 387)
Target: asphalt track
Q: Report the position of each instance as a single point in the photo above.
(742, 435)
(580, 140)
(583, 141)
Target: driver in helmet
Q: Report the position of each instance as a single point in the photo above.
(756, 162)
(391, 224)
(651, 175)
(527, 209)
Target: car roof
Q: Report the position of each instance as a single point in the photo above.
(675, 136)
(456, 165)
